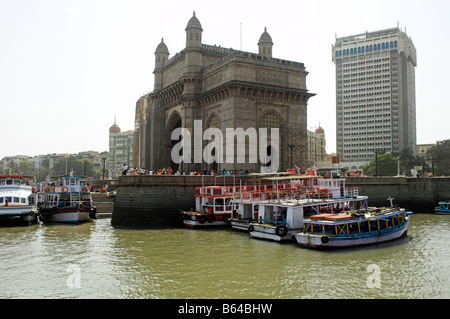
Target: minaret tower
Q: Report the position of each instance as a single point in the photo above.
(161, 57)
(265, 44)
(193, 47)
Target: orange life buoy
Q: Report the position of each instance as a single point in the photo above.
(84, 189)
(65, 189)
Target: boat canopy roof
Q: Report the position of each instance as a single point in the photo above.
(307, 201)
(346, 218)
(284, 178)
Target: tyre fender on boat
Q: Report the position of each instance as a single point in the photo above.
(80, 206)
(201, 219)
(281, 230)
(324, 239)
(250, 228)
(211, 218)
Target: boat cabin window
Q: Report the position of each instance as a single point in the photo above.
(1, 200)
(70, 182)
(32, 199)
(2, 182)
(16, 200)
(8, 199)
(9, 182)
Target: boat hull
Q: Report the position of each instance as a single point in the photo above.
(67, 216)
(24, 214)
(196, 224)
(200, 220)
(327, 241)
(271, 232)
(240, 224)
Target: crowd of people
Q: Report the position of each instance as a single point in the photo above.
(168, 171)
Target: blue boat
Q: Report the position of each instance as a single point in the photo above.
(443, 208)
(370, 226)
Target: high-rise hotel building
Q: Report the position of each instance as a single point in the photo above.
(375, 95)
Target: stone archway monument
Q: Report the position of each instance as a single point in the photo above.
(237, 89)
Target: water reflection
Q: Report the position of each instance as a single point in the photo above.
(184, 263)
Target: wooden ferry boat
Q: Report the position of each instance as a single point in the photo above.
(296, 188)
(443, 208)
(18, 203)
(213, 207)
(279, 220)
(65, 200)
(354, 228)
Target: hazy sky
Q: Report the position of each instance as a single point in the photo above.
(68, 67)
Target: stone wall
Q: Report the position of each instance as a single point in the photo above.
(419, 195)
(150, 201)
(104, 205)
(158, 200)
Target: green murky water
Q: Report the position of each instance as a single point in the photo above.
(96, 260)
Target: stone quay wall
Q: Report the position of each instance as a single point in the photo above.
(419, 195)
(158, 200)
(149, 201)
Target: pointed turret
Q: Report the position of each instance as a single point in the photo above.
(265, 44)
(161, 57)
(194, 33)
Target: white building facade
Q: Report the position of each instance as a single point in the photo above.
(120, 150)
(375, 95)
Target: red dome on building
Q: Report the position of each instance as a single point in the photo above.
(114, 128)
(320, 130)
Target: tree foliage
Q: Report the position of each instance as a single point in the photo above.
(23, 168)
(80, 167)
(383, 165)
(440, 156)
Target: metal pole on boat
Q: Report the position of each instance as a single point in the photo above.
(240, 187)
(278, 193)
(390, 199)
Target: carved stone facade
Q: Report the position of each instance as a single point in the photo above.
(224, 88)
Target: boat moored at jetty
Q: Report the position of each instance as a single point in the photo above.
(65, 200)
(18, 203)
(280, 219)
(274, 187)
(354, 228)
(213, 207)
(443, 208)
(275, 208)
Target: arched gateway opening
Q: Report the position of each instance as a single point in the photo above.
(174, 123)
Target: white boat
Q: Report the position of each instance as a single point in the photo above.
(213, 207)
(66, 200)
(280, 219)
(363, 227)
(17, 200)
(287, 187)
